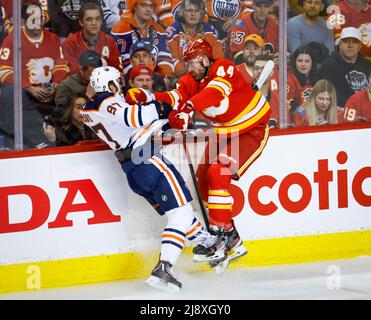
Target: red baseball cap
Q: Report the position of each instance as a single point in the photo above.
(140, 70)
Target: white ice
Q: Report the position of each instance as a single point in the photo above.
(330, 280)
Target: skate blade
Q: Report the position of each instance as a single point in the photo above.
(157, 283)
(237, 252)
(220, 268)
(219, 255)
(223, 265)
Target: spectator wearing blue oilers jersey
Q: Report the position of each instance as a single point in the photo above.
(138, 24)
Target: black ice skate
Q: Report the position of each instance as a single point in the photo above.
(213, 249)
(162, 277)
(235, 249)
(234, 245)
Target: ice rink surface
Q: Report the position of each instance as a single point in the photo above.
(330, 280)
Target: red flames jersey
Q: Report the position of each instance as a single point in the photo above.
(106, 46)
(42, 61)
(225, 98)
(358, 107)
(297, 91)
(347, 16)
(246, 26)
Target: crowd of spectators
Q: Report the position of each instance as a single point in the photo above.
(329, 53)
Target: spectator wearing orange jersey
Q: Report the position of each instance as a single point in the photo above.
(91, 38)
(138, 24)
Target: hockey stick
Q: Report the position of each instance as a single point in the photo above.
(194, 179)
(268, 68)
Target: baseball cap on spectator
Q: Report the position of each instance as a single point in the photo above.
(90, 57)
(351, 32)
(140, 45)
(269, 2)
(140, 70)
(255, 38)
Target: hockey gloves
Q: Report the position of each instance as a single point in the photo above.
(139, 96)
(180, 119)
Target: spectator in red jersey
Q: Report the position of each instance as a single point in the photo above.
(6, 26)
(43, 63)
(43, 66)
(91, 37)
(271, 96)
(320, 108)
(64, 16)
(258, 22)
(358, 106)
(302, 76)
(188, 27)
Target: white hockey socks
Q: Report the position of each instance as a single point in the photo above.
(174, 235)
(197, 233)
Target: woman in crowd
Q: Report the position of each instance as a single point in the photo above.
(301, 77)
(70, 129)
(320, 108)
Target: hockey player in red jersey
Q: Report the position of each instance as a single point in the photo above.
(238, 114)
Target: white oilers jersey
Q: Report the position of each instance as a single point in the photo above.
(118, 123)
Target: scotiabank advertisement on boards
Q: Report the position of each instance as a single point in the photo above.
(79, 204)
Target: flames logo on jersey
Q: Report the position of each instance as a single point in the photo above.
(40, 70)
(226, 9)
(366, 34)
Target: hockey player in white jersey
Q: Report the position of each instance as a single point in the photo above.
(128, 129)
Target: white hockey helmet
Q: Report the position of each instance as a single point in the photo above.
(102, 76)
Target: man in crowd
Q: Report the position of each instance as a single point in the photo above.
(76, 84)
(91, 37)
(258, 22)
(138, 24)
(141, 77)
(43, 67)
(353, 13)
(346, 68)
(309, 27)
(141, 53)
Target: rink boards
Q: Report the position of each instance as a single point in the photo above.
(67, 215)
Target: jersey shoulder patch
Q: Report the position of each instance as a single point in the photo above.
(96, 101)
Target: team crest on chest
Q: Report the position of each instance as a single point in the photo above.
(226, 9)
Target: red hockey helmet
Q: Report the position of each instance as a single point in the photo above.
(198, 48)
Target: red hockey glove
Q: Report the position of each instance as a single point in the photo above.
(179, 120)
(138, 96)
